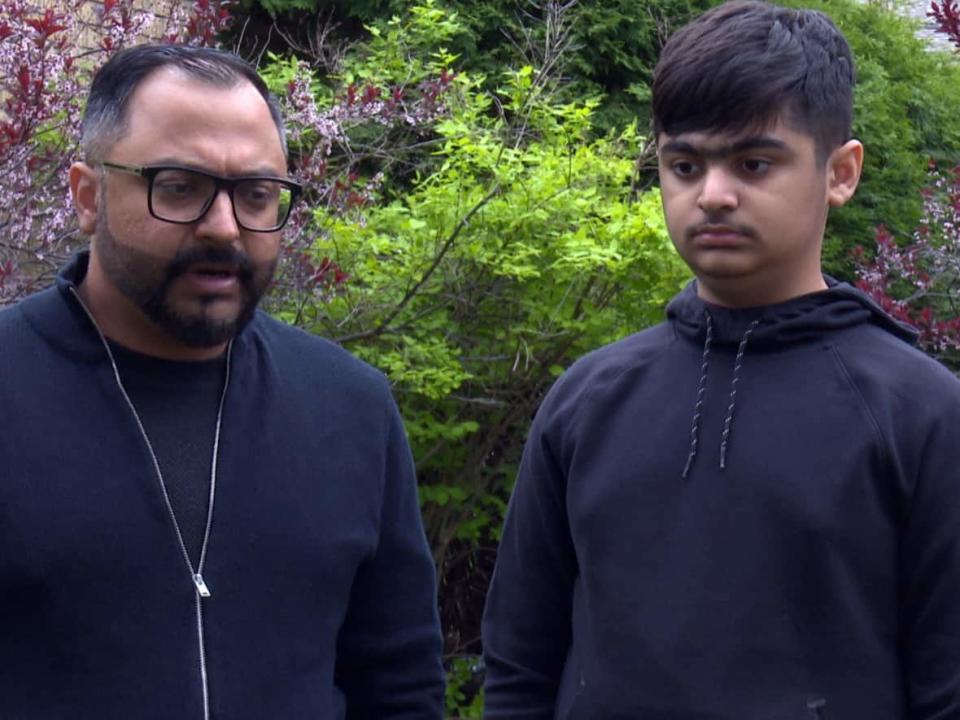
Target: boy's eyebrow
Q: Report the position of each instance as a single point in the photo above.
(763, 142)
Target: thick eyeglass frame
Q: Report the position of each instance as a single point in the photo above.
(150, 172)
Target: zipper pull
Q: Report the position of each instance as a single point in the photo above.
(201, 586)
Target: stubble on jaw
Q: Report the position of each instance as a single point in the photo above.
(146, 282)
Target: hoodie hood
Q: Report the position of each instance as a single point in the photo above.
(798, 320)
(57, 315)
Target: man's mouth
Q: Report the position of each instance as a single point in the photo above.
(214, 269)
(212, 277)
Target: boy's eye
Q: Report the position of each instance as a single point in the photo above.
(756, 166)
(683, 168)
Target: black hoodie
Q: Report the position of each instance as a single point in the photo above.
(737, 515)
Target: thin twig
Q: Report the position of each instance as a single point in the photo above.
(448, 243)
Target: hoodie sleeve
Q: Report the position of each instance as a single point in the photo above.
(527, 619)
(390, 645)
(930, 563)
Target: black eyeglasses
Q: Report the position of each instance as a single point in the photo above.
(183, 195)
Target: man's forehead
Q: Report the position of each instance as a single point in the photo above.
(189, 121)
(157, 84)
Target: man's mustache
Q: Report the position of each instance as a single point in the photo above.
(239, 262)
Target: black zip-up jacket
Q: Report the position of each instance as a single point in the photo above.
(737, 515)
(322, 590)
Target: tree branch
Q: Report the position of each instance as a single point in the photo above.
(405, 300)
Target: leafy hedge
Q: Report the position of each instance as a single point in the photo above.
(474, 272)
(906, 101)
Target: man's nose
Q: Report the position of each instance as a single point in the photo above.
(718, 191)
(219, 224)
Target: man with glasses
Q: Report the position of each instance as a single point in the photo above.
(203, 512)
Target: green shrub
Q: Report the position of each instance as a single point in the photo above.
(477, 286)
(518, 243)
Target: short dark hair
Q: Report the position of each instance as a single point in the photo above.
(105, 117)
(745, 64)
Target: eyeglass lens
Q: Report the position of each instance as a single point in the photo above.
(183, 196)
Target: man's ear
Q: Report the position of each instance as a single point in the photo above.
(85, 190)
(843, 172)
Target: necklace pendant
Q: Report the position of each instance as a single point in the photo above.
(201, 586)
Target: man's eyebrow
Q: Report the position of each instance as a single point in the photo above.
(263, 172)
(763, 142)
(260, 171)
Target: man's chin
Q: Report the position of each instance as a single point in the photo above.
(203, 329)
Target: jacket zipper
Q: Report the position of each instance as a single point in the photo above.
(196, 575)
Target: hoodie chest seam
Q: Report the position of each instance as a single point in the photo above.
(875, 424)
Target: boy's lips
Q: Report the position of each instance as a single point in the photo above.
(710, 235)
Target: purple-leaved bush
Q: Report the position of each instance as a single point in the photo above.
(946, 15)
(918, 280)
(341, 175)
(47, 58)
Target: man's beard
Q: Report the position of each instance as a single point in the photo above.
(145, 281)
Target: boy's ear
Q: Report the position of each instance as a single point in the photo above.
(85, 191)
(843, 172)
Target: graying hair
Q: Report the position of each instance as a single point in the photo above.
(105, 120)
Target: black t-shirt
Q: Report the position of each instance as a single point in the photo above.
(178, 402)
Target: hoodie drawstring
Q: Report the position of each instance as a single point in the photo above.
(701, 391)
(728, 421)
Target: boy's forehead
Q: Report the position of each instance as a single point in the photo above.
(772, 135)
(718, 137)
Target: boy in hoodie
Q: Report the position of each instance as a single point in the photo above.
(752, 510)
